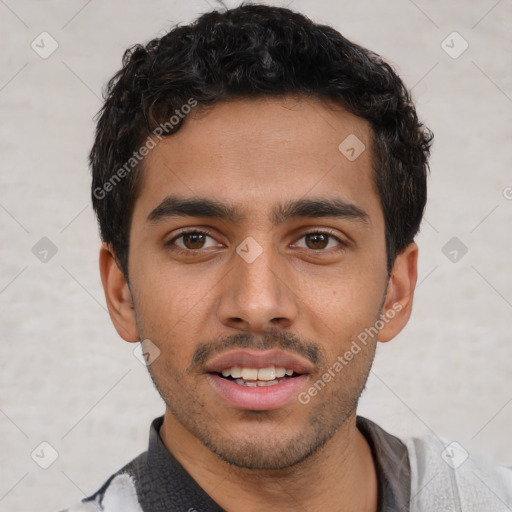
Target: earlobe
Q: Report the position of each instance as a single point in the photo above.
(400, 292)
(118, 296)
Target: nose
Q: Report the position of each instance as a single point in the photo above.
(256, 296)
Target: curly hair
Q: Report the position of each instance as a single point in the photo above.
(254, 50)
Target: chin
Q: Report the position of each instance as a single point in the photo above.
(266, 448)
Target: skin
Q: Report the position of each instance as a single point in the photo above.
(302, 292)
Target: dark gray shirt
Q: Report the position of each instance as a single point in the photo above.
(163, 485)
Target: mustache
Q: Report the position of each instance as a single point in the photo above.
(269, 339)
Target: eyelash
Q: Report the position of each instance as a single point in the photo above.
(330, 234)
(181, 250)
(171, 243)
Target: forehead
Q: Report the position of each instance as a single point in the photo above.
(255, 153)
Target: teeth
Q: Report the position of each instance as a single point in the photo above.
(258, 383)
(262, 374)
(236, 372)
(281, 372)
(263, 383)
(249, 374)
(267, 373)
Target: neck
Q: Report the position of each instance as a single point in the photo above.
(340, 476)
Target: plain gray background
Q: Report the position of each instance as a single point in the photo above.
(67, 378)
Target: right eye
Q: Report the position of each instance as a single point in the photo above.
(193, 240)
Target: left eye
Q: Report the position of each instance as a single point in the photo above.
(318, 241)
(194, 240)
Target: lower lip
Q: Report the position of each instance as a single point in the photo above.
(262, 398)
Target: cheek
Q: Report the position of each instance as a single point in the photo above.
(164, 302)
(344, 309)
(351, 290)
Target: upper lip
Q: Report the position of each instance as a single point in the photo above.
(258, 359)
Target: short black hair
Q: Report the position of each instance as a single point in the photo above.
(252, 51)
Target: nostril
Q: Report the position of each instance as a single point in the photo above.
(280, 322)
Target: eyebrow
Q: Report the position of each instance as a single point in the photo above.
(175, 206)
(315, 208)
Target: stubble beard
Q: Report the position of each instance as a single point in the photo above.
(277, 450)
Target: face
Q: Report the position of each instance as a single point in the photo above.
(257, 257)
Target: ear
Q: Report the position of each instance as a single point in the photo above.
(118, 296)
(398, 304)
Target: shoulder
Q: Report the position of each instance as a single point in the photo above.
(444, 476)
(119, 492)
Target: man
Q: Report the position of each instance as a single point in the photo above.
(259, 181)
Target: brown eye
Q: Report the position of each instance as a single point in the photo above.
(319, 241)
(194, 240)
(316, 240)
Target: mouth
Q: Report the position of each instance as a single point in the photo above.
(258, 377)
(258, 380)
